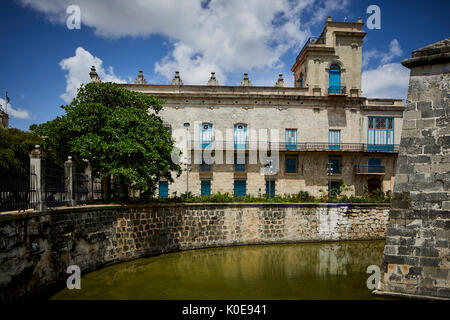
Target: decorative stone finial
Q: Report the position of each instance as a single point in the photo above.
(140, 78)
(36, 151)
(94, 76)
(177, 80)
(69, 158)
(280, 82)
(213, 81)
(360, 20)
(246, 82)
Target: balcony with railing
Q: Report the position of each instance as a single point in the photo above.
(381, 147)
(369, 169)
(337, 90)
(304, 146)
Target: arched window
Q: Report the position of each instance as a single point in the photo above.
(206, 135)
(240, 136)
(335, 79)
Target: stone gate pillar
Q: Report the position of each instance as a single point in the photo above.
(69, 181)
(416, 255)
(37, 179)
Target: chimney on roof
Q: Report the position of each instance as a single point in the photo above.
(280, 82)
(94, 76)
(177, 80)
(246, 82)
(140, 78)
(213, 81)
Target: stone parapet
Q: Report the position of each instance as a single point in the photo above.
(36, 248)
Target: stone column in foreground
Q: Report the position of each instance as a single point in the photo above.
(416, 255)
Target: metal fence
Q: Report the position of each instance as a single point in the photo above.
(81, 187)
(40, 186)
(16, 189)
(97, 189)
(55, 187)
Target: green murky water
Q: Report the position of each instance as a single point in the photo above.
(334, 270)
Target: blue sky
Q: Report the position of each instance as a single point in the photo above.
(43, 62)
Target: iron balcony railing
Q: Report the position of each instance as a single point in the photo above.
(311, 40)
(301, 146)
(369, 169)
(337, 90)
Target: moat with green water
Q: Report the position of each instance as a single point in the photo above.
(328, 270)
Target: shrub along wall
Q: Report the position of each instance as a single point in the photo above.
(36, 248)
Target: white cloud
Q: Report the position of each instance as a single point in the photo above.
(395, 51)
(232, 35)
(194, 69)
(324, 9)
(387, 81)
(78, 68)
(15, 113)
(369, 55)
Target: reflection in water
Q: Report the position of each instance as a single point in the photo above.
(288, 271)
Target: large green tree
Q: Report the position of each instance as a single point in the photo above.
(15, 146)
(118, 131)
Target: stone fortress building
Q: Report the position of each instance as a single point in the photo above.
(417, 252)
(324, 123)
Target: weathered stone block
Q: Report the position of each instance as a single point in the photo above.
(427, 186)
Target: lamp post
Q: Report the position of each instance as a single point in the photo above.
(329, 174)
(187, 125)
(269, 171)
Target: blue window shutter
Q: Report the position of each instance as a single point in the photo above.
(240, 136)
(270, 192)
(163, 189)
(240, 187)
(334, 79)
(380, 133)
(206, 187)
(334, 139)
(291, 138)
(291, 165)
(206, 135)
(374, 165)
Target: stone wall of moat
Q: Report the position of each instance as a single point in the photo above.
(36, 248)
(417, 251)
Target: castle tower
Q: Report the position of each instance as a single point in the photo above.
(417, 239)
(331, 63)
